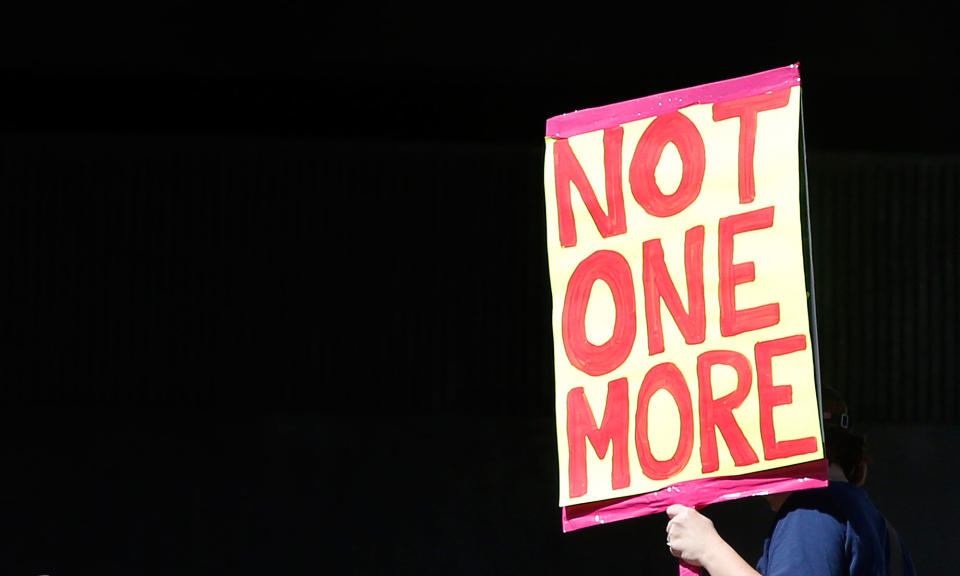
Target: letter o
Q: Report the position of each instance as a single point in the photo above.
(612, 268)
(676, 128)
(667, 377)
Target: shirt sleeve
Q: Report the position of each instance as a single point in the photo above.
(808, 542)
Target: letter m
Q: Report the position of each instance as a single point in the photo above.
(581, 425)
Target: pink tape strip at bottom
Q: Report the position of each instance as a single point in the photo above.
(697, 493)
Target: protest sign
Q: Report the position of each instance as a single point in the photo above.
(682, 341)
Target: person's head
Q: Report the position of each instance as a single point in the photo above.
(842, 446)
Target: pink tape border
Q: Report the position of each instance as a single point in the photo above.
(590, 119)
(697, 493)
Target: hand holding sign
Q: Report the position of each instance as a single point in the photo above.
(693, 539)
(690, 535)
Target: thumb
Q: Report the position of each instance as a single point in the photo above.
(675, 509)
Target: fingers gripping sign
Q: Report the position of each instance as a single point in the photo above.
(690, 535)
(692, 538)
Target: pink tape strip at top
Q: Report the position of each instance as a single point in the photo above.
(697, 493)
(590, 119)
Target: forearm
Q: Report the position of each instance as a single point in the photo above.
(722, 560)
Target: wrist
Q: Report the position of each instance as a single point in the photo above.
(715, 552)
(721, 559)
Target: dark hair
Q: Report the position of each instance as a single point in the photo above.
(843, 447)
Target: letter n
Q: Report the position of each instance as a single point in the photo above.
(658, 285)
(567, 170)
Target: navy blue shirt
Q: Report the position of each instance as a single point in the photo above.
(832, 531)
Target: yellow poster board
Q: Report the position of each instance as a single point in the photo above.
(682, 345)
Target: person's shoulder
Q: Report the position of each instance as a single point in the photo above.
(839, 508)
(810, 508)
(808, 536)
(828, 500)
(854, 503)
(837, 498)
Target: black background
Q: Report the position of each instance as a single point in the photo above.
(274, 285)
